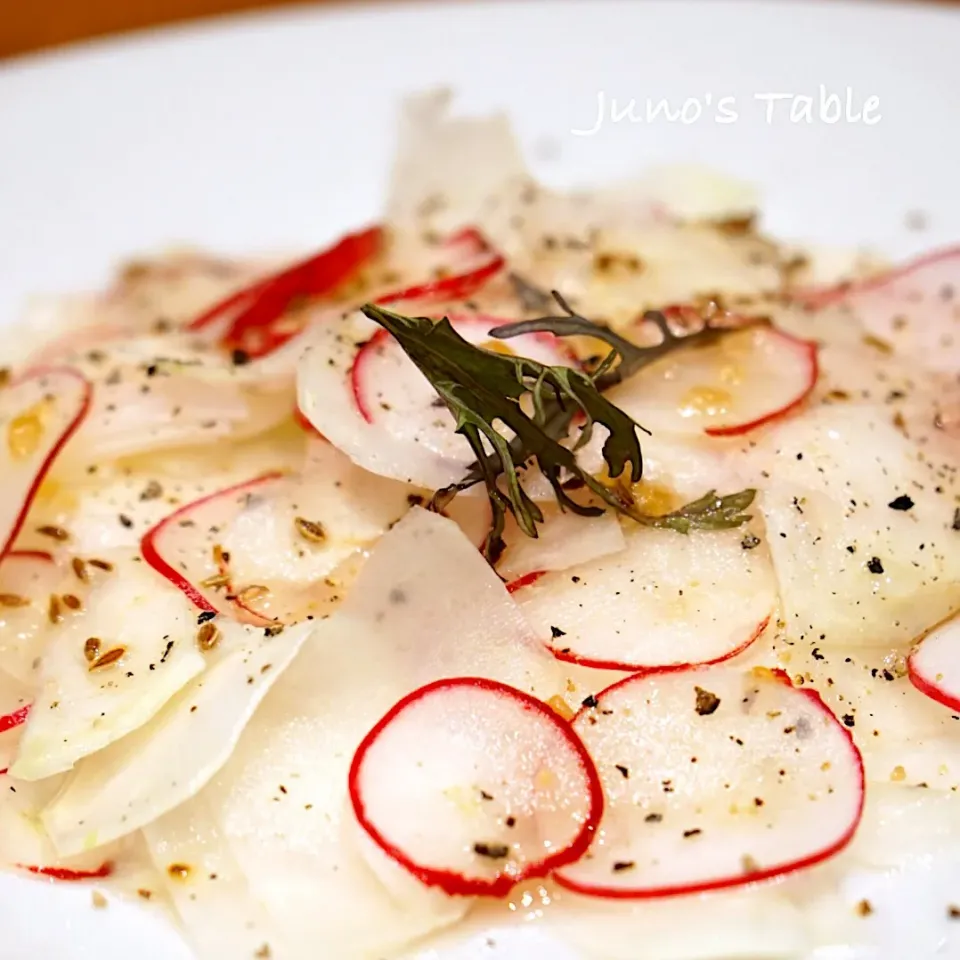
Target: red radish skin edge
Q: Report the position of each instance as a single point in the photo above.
(930, 688)
(455, 884)
(55, 873)
(315, 277)
(381, 337)
(70, 430)
(150, 553)
(514, 585)
(813, 859)
(807, 347)
(10, 721)
(66, 874)
(30, 555)
(458, 286)
(300, 418)
(18, 717)
(642, 670)
(830, 295)
(355, 248)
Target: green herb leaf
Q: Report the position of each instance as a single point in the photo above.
(631, 356)
(483, 389)
(709, 512)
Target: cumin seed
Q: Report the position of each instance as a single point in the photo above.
(208, 636)
(108, 659)
(80, 569)
(310, 530)
(13, 600)
(54, 532)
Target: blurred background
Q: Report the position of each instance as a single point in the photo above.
(39, 24)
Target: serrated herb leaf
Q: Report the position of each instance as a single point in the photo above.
(483, 390)
(709, 512)
(632, 357)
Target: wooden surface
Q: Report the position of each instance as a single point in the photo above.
(28, 25)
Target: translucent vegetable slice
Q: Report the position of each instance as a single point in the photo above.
(208, 887)
(915, 307)
(16, 699)
(473, 786)
(262, 548)
(564, 540)
(157, 767)
(934, 665)
(155, 395)
(38, 414)
(27, 582)
(360, 390)
(861, 539)
(668, 599)
(713, 777)
(24, 843)
(742, 382)
(906, 738)
(397, 630)
(108, 668)
(258, 319)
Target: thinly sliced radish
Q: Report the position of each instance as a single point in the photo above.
(181, 547)
(28, 579)
(473, 786)
(38, 415)
(326, 398)
(425, 607)
(154, 393)
(119, 789)
(390, 390)
(668, 599)
(905, 737)
(300, 529)
(914, 307)
(475, 263)
(112, 507)
(934, 665)
(747, 379)
(256, 318)
(564, 540)
(713, 777)
(263, 548)
(24, 843)
(358, 388)
(16, 701)
(108, 668)
(854, 569)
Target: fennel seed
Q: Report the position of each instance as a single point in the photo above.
(253, 592)
(13, 600)
(217, 580)
(108, 659)
(310, 530)
(54, 532)
(80, 569)
(208, 636)
(54, 614)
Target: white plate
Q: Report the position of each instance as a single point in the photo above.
(269, 132)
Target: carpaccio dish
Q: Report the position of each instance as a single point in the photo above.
(529, 556)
